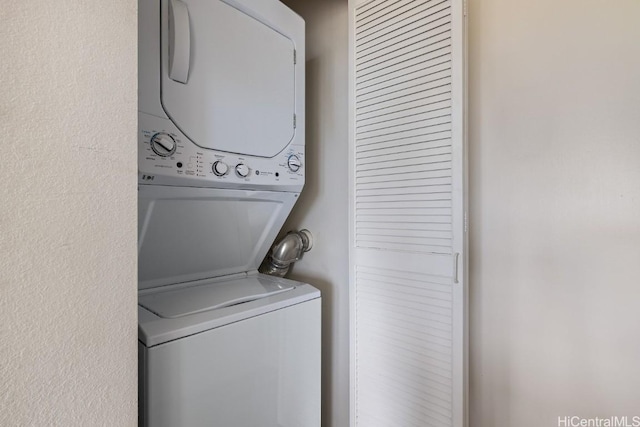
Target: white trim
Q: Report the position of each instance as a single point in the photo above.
(459, 199)
(351, 198)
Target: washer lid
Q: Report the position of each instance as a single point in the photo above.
(234, 88)
(155, 330)
(188, 234)
(197, 299)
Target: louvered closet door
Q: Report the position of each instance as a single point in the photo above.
(408, 238)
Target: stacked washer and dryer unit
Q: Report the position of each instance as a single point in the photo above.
(221, 164)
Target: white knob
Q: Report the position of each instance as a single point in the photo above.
(242, 170)
(220, 169)
(163, 144)
(294, 163)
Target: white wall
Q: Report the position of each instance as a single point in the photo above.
(322, 207)
(68, 213)
(555, 210)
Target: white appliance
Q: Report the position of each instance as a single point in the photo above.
(251, 364)
(221, 164)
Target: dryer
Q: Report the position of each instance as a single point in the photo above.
(221, 164)
(221, 94)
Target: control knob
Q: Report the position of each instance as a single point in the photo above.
(242, 170)
(294, 163)
(163, 144)
(220, 168)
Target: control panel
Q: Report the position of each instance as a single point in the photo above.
(167, 157)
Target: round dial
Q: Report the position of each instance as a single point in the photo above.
(219, 168)
(163, 144)
(242, 170)
(294, 163)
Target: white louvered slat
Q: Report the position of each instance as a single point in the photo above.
(404, 348)
(440, 230)
(402, 158)
(372, 231)
(438, 350)
(410, 295)
(408, 135)
(406, 277)
(404, 204)
(404, 197)
(437, 402)
(372, 309)
(425, 97)
(389, 125)
(398, 323)
(433, 139)
(366, 8)
(438, 37)
(387, 13)
(380, 159)
(399, 61)
(404, 184)
(401, 168)
(408, 32)
(435, 103)
(375, 7)
(405, 177)
(390, 189)
(436, 368)
(393, 219)
(424, 212)
(425, 11)
(402, 76)
(421, 248)
(402, 177)
(407, 89)
(391, 146)
(404, 70)
(406, 180)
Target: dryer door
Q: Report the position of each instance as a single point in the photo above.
(227, 77)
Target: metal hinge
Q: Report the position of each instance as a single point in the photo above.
(294, 121)
(295, 56)
(464, 7)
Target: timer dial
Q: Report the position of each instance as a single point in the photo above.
(294, 163)
(220, 168)
(163, 144)
(242, 170)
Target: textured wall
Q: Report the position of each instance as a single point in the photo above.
(555, 210)
(68, 213)
(323, 204)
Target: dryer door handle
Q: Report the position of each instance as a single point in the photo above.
(179, 41)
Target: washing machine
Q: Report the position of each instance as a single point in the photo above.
(221, 165)
(241, 352)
